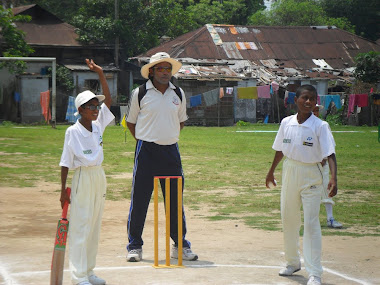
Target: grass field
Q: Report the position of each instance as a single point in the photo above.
(224, 167)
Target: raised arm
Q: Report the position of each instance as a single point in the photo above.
(103, 81)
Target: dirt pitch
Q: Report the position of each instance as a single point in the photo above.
(229, 252)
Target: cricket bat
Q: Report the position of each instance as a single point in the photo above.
(56, 274)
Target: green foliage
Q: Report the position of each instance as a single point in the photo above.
(335, 119)
(242, 124)
(214, 12)
(64, 78)
(298, 13)
(368, 67)
(13, 44)
(363, 15)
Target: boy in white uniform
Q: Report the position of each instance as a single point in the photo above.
(83, 152)
(326, 200)
(305, 140)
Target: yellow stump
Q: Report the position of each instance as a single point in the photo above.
(167, 217)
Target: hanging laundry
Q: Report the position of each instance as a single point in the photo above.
(275, 86)
(44, 102)
(247, 93)
(195, 100)
(263, 91)
(211, 97)
(71, 110)
(221, 93)
(362, 100)
(229, 90)
(325, 101)
(286, 98)
(17, 97)
(376, 99)
(351, 104)
(291, 97)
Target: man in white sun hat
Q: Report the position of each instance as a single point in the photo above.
(326, 200)
(156, 116)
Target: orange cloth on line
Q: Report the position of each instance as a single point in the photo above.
(221, 93)
(247, 93)
(44, 101)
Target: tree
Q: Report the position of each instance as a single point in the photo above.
(363, 15)
(368, 67)
(297, 13)
(12, 40)
(140, 25)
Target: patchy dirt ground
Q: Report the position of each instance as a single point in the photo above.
(229, 252)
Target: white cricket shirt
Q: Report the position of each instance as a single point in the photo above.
(85, 148)
(309, 142)
(159, 116)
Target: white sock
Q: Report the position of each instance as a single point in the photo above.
(329, 211)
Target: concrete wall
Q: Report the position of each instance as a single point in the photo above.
(81, 76)
(30, 88)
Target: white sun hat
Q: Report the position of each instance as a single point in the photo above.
(84, 97)
(156, 59)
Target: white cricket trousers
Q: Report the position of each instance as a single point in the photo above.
(88, 193)
(325, 192)
(302, 185)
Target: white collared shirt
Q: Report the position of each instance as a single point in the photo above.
(159, 115)
(85, 148)
(309, 142)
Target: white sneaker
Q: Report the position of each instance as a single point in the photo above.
(289, 270)
(332, 223)
(84, 283)
(314, 280)
(187, 254)
(95, 280)
(134, 255)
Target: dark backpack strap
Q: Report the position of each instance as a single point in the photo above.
(142, 92)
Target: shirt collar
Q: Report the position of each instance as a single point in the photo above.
(149, 85)
(84, 132)
(307, 123)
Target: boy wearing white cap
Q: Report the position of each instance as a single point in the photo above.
(326, 200)
(304, 140)
(83, 152)
(155, 121)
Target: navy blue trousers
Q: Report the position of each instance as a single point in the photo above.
(153, 160)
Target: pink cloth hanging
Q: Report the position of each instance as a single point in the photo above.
(263, 91)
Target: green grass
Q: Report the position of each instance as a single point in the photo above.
(224, 171)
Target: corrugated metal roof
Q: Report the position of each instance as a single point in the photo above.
(84, 67)
(45, 29)
(272, 47)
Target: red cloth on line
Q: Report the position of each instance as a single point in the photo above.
(44, 101)
(362, 100)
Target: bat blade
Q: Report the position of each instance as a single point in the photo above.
(58, 260)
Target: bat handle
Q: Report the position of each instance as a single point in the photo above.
(66, 205)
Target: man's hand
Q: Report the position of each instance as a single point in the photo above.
(94, 67)
(333, 187)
